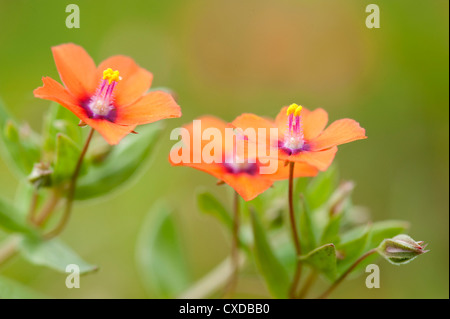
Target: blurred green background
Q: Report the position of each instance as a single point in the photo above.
(228, 57)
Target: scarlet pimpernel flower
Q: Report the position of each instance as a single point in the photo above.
(111, 98)
(302, 136)
(243, 174)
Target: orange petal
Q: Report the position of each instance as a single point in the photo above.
(215, 169)
(313, 122)
(195, 133)
(111, 132)
(152, 107)
(54, 91)
(320, 159)
(252, 121)
(76, 69)
(248, 186)
(339, 132)
(135, 80)
(208, 122)
(300, 170)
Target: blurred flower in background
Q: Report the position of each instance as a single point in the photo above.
(229, 57)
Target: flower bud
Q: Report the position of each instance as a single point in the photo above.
(40, 175)
(401, 249)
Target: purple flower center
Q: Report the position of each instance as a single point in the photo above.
(241, 168)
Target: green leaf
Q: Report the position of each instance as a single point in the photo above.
(4, 115)
(321, 187)
(120, 164)
(308, 240)
(160, 254)
(60, 121)
(384, 229)
(11, 220)
(331, 231)
(323, 259)
(21, 147)
(275, 275)
(208, 204)
(67, 154)
(350, 250)
(10, 289)
(301, 185)
(53, 254)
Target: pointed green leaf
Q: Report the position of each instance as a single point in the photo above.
(208, 204)
(160, 254)
(67, 154)
(321, 187)
(384, 229)
(307, 231)
(4, 115)
(275, 275)
(331, 231)
(120, 164)
(21, 147)
(11, 220)
(18, 145)
(350, 250)
(53, 254)
(60, 121)
(329, 217)
(323, 259)
(10, 289)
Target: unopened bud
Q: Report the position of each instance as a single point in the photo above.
(40, 175)
(401, 249)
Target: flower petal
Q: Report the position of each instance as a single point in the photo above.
(248, 186)
(300, 170)
(251, 121)
(52, 90)
(339, 132)
(76, 69)
(151, 107)
(110, 131)
(320, 159)
(135, 80)
(313, 122)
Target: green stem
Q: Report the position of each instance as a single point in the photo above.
(33, 205)
(9, 248)
(71, 191)
(295, 237)
(48, 209)
(309, 281)
(345, 274)
(234, 248)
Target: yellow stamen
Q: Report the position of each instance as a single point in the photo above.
(111, 75)
(291, 109)
(298, 110)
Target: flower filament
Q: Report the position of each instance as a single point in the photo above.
(293, 138)
(101, 104)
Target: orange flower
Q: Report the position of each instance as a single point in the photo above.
(111, 97)
(243, 176)
(302, 136)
